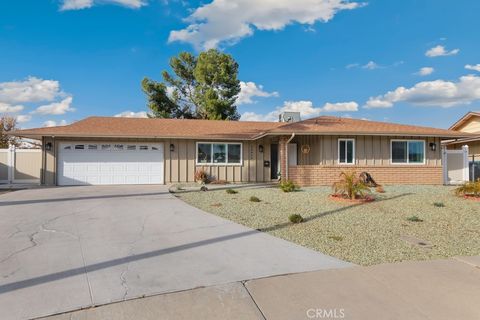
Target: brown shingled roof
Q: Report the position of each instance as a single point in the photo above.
(234, 130)
(154, 128)
(336, 125)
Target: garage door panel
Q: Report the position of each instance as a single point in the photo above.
(113, 166)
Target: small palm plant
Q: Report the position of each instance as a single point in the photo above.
(350, 186)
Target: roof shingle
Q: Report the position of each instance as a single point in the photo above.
(234, 130)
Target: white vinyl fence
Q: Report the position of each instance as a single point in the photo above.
(455, 166)
(20, 165)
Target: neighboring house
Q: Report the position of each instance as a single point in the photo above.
(469, 123)
(103, 150)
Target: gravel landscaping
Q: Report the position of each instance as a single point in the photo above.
(365, 234)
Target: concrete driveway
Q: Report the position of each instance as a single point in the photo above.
(63, 249)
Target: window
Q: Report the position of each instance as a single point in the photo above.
(118, 147)
(219, 153)
(67, 148)
(143, 148)
(408, 151)
(131, 147)
(92, 147)
(346, 151)
(79, 147)
(106, 147)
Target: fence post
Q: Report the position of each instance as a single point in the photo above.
(444, 165)
(11, 163)
(466, 167)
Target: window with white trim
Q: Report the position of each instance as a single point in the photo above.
(408, 151)
(346, 151)
(219, 153)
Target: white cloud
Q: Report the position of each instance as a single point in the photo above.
(8, 108)
(352, 65)
(249, 90)
(340, 106)
(131, 114)
(30, 90)
(52, 123)
(440, 51)
(22, 118)
(305, 107)
(425, 71)
(85, 4)
(56, 107)
(222, 21)
(439, 93)
(473, 67)
(371, 65)
(76, 4)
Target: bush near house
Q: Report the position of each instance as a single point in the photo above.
(295, 218)
(469, 189)
(231, 191)
(350, 186)
(288, 186)
(201, 176)
(254, 199)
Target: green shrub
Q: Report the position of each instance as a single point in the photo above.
(336, 238)
(288, 186)
(414, 219)
(295, 218)
(231, 191)
(439, 204)
(254, 199)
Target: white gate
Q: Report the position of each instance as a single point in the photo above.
(455, 166)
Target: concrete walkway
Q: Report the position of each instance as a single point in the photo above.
(436, 290)
(62, 249)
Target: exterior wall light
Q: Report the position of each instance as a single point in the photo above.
(260, 148)
(172, 147)
(48, 146)
(433, 146)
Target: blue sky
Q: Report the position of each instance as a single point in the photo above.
(409, 61)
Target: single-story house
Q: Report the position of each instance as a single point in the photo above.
(109, 150)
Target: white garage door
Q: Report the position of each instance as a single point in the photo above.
(96, 163)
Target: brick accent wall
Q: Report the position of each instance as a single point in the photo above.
(311, 175)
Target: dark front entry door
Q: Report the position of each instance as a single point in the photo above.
(274, 161)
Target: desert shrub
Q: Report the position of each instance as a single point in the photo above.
(288, 186)
(231, 191)
(336, 238)
(254, 199)
(201, 176)
(414, 219)
(438, 204)
(469, 189)
(350, 186)
(295, 218)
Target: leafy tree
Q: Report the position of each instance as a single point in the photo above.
(7, 124)
(203, 87)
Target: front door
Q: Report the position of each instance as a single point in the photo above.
(274, 161)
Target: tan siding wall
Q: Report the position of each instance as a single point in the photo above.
(4, 164)
(27, 165)
(472, 126)
(473, 147)
(180, 165)
(369, 150)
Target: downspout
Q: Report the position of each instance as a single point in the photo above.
(286, 155)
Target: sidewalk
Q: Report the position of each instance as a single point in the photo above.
(439, 289)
